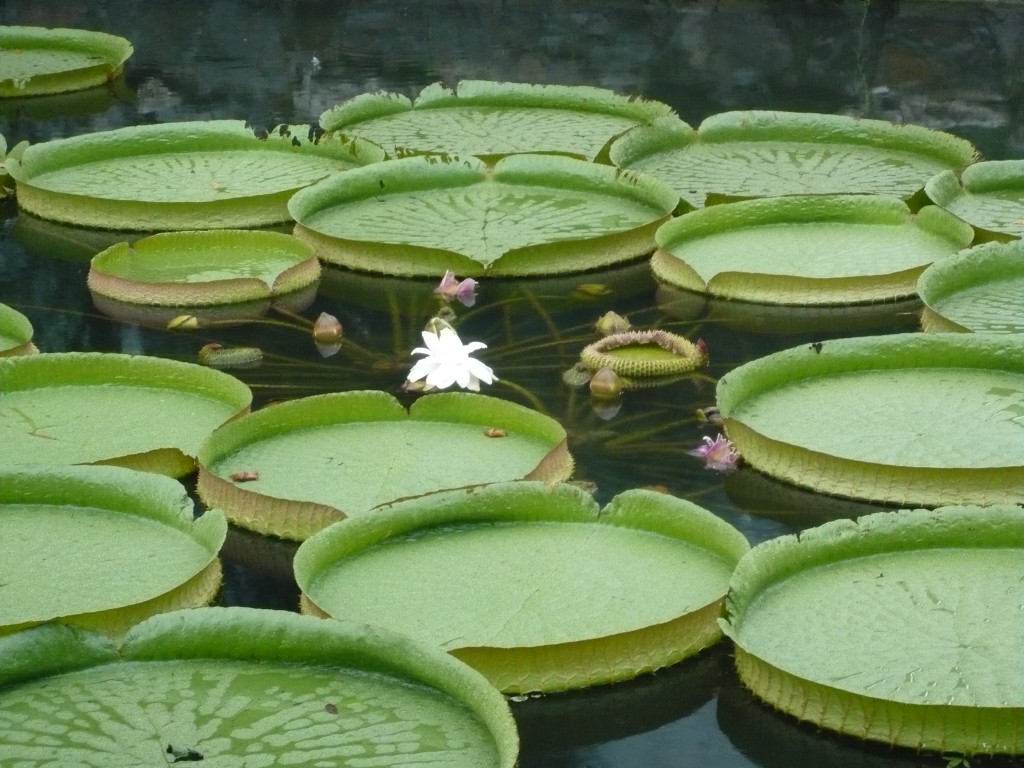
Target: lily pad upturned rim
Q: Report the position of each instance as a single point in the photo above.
(262, 636)
(558, 666)
(668, 134)
(299, 519)
(925, 486)
(954, 191)
(446, 171)
(118, 271)
(18, 329)
(834, 703)
(348, 115)
(68, 369)
(114, 210)
(153, 498)
(972, 268)
(114, 51)
(681, 354)
(686, 232)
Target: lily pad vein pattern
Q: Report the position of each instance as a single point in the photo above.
(764, 169)
(483, 130)
(195, 176)
(238, 714)
(484, 221)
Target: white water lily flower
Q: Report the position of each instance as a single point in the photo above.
(448, 362)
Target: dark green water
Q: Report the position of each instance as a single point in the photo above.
(953, 66)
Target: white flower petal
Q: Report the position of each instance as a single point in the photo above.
(447, 361)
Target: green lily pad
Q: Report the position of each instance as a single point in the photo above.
(115, 526)
(921, 643)
(15, 333)
(490, 119)
(921, 419)
(244, 687)
(191, 175)
(135, 411)
(644, 355)
(202, 268)
(323, 458)
(981, 289)
(527, 215)
(552, 592)
(988, 195)
(807, 250)
(36, 61)
(767, 154)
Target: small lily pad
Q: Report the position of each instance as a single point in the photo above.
(923, 419)
(981, 290)
(135, 411)
(35, 61)
(807, 250)
(324, 458)
(644, 355)
(490, 119)
(988, 195)
(15, 333)
(552, 592)
(203, 268)
(239, 686)
(766, 154)
(920, 644)
(527, 215)
(115, 526)
(175, 176)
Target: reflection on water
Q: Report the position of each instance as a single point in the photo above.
(952, 66)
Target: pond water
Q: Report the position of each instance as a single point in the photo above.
(953, 66)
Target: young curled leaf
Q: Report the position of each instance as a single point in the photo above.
(218, 356)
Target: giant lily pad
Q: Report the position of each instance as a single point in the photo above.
(323, 458)
(15, 333)
(924, 419)
(981, 289)
(489, 119)
(528, 215)
(765, 154)
(203, 268)
(552, 592)
(192, 175)
(36, 60)
(244, 687)
(809, 250)
(128, 547)
(989, 195)
(902, 627)
(135, 411)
